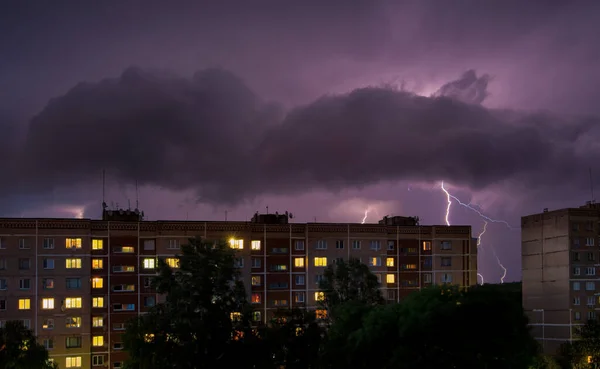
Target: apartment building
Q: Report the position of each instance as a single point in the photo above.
(76, 282)
(559, 259)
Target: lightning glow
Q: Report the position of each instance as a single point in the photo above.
(486, 220)
(364, 219)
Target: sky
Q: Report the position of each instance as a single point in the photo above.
(329, 110)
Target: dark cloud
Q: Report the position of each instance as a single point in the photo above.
(211, 133)
(469, 88)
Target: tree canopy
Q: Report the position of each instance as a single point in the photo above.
(19, 348)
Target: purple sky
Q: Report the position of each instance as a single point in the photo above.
(324, 109)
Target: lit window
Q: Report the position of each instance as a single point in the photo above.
(319, 296)
(73, 322)
(73, 362)
(74, 263)
(125, 249)
(97, 244)
(98, 302)
(97, 264)
(48, 324)
(375, 261)
(256, 298)
(98, 341)
(235, 316)
(149, 263)
(255, 245)
(149, 337)
(73, 243)
(73, 303)
(48, 303)
(97, 321)
(172, 262)
(97, 282)
(256, 280)
(321, 314)
(390, 278)
(299, 262)
(389, 262)
(24, 304)
(320, 262)
(236, 244)
(426, 245)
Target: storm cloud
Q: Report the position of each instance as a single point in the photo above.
(211, 133)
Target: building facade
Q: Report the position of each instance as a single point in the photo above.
(559, 260)
(76, 282)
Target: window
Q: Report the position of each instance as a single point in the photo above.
(123, 269)
(375, 261)
(446, 245)
(236, 244)
(591, 301)
(299, 297)
(255, 245)
(389, 262)
(319, 278)
(576, 300)
(2, 264)
(3, 284)
(321, 314)
(24, 283)
(590, 271)
(390, 245)
(299, 246)
(97, 282)
(2, 304)
(256, 280)
(73, 362)
(97, 244)
(446, 262)
(391, 295)
(98, 341)
(73, 283)
(24, 264)
(256, 298)
(576, 286)
(339, 244)
(299, 279)
(73, 303)
(577, 271)
(24, 304)
(48, 343)
(2, 245)
(124, 250)
(73, 263)
(589, 241)
(97, 321)
(73, 243)
(576, 242)
(299, 262)
(320, 261)
(446, 278)
(48, 263)
(119, 327)
(375, 245)
(48, 303)
(123, 307)
(256, 263)
(319, 296)
(426, 245)
(355, 244)
(98, 360)
(427, 278)
(409, 266)
(280, 303)
(172, 262)
(97, 264)
(48, 243)
(590, 286)
(27, 323)
(576, 256)
(591, 315)
(149, 245)
(149, 301)
(577, 315)
(23, 244)
(48, 283)
(73, 342)
(235, 316)
(48, 324)
(238, 262)
(124, 288)
(321, 245)
(73, 322)
(591, 256)
(149, 263)
(173, 244)
(390, 278)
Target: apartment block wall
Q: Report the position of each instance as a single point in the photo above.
(280, 266)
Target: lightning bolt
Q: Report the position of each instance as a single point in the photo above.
(486, 220)
(364, 219)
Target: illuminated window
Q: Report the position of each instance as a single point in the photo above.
(256, 298)
(97, 264)
(97, 244)
(73, 303)
(98, 302)
(409, 266)
(172, 262)
(299, 262)
(73, 243)
(123, 268)
(73, 362)
(24, 304)
(236, 317)
(319, 296)
(48, 324)
(149, 263)
(97, 282)
(426, 245)
(321, 314)
(98, 341)
(74, 263)
(48, 303)
(73, 322)
(255, 245)
(375, 261)
(256, 280)
(320, 262)
(125, 249)
(390, 278)
(236, 244)
(389, 262)
(97, 321)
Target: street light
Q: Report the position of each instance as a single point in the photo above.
(543, 327)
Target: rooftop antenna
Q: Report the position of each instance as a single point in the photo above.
(267, 210)
(137, 197)
(103, 189)
(592, 185)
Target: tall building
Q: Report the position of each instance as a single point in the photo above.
(75, 282)
(559, 261)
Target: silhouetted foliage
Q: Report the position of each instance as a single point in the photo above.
(585, 351)
(19, 348)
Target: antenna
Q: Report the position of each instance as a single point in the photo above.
(103, 189)
(267, 210)
(592, 185)
(137, 197)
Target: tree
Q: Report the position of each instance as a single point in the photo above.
(584, 352)
(205, 316)
(19, 348)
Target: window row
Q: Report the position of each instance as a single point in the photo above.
(97, 263)
(50, 303)
(375, 245)
(300, 280)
